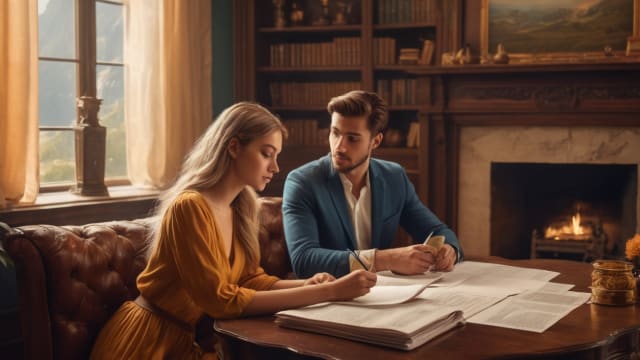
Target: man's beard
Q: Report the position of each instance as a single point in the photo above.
(348, 169)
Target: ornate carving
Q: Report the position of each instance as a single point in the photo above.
(546, 97)
(88, 108)
(501, 92)
(609, 93)
(555, 97)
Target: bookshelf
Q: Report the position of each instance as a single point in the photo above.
(295, 64)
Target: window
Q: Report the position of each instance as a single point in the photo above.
(79, 55)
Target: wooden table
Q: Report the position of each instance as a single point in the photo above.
(589, 332)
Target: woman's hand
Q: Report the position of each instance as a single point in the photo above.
(352, 285)
(319, 278)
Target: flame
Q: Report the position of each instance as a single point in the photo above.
(575, 224)
(565, 231)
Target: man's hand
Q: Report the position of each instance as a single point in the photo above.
(446, 258)
(409, 260)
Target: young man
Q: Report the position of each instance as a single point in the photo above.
(349, 201)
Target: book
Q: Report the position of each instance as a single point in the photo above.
(426, 57)
(413, 136)
(400, 326)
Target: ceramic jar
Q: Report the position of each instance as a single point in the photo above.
(613, 283)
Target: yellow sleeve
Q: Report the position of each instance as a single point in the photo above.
(258, 280)
(191, 239)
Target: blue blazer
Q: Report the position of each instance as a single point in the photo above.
(317, 225)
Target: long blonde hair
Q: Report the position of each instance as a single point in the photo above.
(209, 160)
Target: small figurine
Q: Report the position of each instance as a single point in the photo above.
(469, 57)
(501, 56)
(457, 59)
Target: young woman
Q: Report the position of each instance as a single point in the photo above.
(205, 256)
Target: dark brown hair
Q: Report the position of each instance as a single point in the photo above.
(362, 103)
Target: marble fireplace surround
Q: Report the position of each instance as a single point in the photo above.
(479, 146)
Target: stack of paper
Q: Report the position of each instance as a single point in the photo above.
(405, 326)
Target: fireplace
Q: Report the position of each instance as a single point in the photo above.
(516, 179)
(571, 211)
(554, 115)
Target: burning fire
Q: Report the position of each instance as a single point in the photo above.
(573, 231)
(575, 225)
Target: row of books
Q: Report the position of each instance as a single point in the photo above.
(308, 93)
(341, 51)
(397, 91)
(405, 11)
(384, 51)
(306, 132)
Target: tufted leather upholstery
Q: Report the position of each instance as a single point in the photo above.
(72, 278)
(274, 256)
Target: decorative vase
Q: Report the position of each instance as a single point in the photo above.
(297, 14)
(636, 275)
(613, 283)
(501, 56)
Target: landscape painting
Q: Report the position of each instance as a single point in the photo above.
(558, 26)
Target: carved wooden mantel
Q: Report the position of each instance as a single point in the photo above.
(597, 94)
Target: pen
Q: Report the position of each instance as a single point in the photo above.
(427, 239)
(355, 255)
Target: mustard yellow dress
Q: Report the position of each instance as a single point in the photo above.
(188, 274)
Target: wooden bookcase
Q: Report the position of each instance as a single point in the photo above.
(295, 69)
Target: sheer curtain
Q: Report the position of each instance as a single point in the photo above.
(167, 85)
(18, 101)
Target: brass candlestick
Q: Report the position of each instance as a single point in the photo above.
(324, 18)
(278, 14)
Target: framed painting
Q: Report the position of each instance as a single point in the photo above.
(559, 30)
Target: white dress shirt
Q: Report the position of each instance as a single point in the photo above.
(360, 212)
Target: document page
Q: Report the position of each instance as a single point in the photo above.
(388, 278)
(472, 272)
(469, 301)
(388, 295)
(531, 311)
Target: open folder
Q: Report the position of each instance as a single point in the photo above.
(405, 326)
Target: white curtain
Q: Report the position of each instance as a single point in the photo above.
(18, 101)
(167, 85)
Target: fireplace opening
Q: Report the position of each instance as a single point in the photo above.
(569, 211)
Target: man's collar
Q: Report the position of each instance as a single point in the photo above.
(348, 184)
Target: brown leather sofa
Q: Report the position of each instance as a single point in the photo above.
(72, 278)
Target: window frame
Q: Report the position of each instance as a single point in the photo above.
(86, 77)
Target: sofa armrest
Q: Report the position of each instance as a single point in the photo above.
(32, 294)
